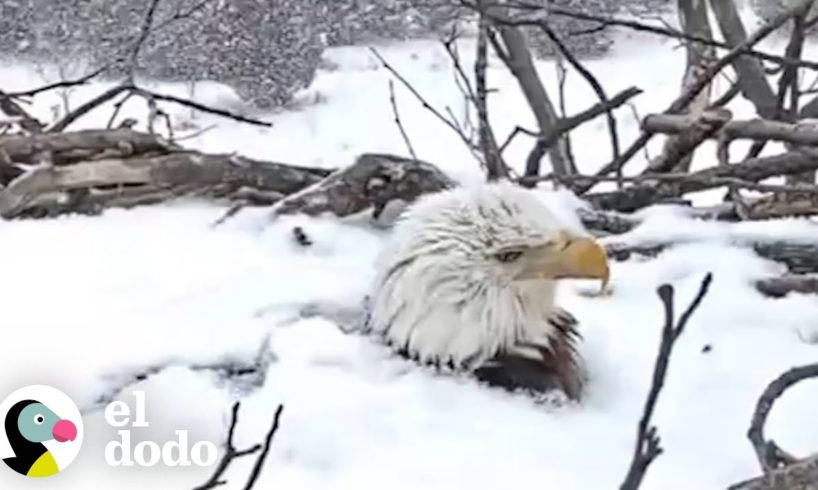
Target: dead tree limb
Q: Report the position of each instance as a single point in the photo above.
(56, 85)
(265, 450)
(677, 152)
(597, 87)
(800, 134)
(752, 79)
(231, 453)
(692, 91)
(799, 258)
(396, 115)
(565, 125)
(789, 82)
(635, 25)
(647, 440)
(373, 181)
(144, 33)
(517, 57)
(802, 475)
(770, 456)
(751, 170)
(426, 105)
(76, 146)
(128, 87)
(496, 167)
(778, 287)
(161, 172)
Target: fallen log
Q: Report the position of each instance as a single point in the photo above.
(802, 475)
(778, 287)
(374, 180)
(77, 146)
(800, 258)
(805, 134)
(607, 222)
(638, 196)
(161, 172)
(701, 127)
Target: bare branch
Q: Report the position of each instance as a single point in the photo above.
(426, 105)
(61, 84)
(751, 77)
(770, 456)
(517, 57)
(597, 87)
(677, 153)
(231, 453)
(753, 170)
(690, 92)
(268, 439)
(495, 166)
(647, 441)
(398, 123)
(147, 23)
(800, 134)
(565, 125)
(607, 21)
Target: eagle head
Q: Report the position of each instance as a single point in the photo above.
(467, 280)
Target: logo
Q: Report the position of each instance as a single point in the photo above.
(149, 453)
(41, 431)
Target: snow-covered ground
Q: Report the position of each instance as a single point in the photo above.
(88, 301)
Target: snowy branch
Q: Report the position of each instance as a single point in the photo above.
(231, 453)
(770, 456)
(647, 441)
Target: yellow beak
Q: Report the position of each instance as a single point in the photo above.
(581, 258)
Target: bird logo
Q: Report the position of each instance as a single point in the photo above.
(42, 429)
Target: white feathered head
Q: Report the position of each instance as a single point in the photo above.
(467, 280)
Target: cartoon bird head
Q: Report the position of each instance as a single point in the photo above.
(28, 424)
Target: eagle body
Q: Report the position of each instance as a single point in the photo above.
(468, 280)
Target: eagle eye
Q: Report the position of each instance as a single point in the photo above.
(39, 419)
(508, 256)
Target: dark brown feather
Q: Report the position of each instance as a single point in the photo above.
(558, 367)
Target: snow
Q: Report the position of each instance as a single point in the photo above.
(89, 301)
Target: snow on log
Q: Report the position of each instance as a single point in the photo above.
(373, 180)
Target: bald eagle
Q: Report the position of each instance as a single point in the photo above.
(467, 281)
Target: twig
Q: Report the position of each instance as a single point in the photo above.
(726, 97)
(770, 456)
(647, 441)
(61, 84)
(398, 123)
(87, 107)
(514, 133)
(597, 87)
(607, 21)
(231, 453)
(426, 105)
(202, 108)
(268, 439)
(692, 90)
(129, 87)
(117, 108)
(143, 36)
(565, 125)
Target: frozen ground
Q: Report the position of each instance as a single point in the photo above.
(87, 300)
